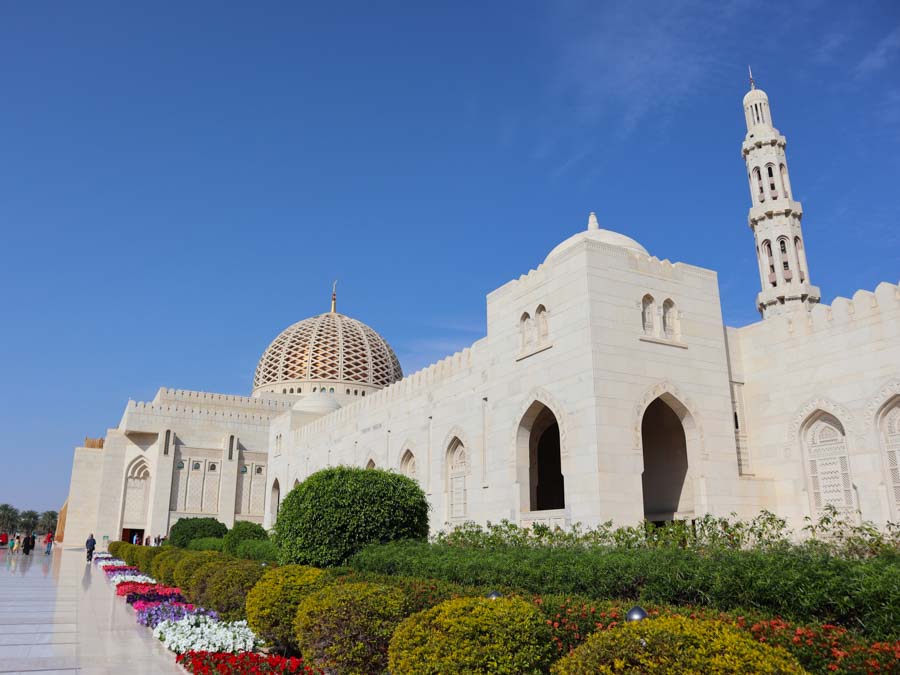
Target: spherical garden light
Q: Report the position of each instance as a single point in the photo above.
(636, 613)
(494, 595)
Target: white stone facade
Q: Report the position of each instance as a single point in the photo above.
(607, 388)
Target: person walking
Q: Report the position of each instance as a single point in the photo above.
(135, 540)
(12, 545)
(48, 543)
(26, 545)
(90, 545)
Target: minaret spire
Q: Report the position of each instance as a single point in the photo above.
(334, 297)
(774, 214)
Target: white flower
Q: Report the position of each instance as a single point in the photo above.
(132, 577)
(110, 562)
(202, 633)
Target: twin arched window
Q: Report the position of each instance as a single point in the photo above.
(670, 326)
(457, 470)
(534, 332)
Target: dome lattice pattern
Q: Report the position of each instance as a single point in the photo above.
(330, 347)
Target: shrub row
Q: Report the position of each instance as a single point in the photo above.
(863, 595)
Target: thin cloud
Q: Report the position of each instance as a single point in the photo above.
(881, 54)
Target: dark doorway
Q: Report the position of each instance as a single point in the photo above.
(547, 482)
(128, 535)
(665, 464)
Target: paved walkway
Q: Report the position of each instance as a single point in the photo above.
(58, 614)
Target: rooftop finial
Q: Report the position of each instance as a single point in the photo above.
(752, 83)
(592, 222)
(334, 297)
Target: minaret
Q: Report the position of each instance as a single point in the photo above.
(774, 215)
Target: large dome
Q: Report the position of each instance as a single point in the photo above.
(327, 349)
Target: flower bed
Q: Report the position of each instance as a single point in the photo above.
(212, 663)
(155, 596)
(133, 577)
(108, 562)
(112, 570)
(127, 587)
(203, 633)
(154, 613)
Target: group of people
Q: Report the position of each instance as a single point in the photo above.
(17, 544)
(147, 541)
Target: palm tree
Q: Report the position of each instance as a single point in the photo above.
(47, 521)
(28, 520)
(9, 518)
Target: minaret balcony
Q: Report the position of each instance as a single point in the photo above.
(772, 208)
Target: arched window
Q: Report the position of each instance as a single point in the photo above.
(783, 245)
(408, 465)
(292, 390)
(243, 469)
(457, 470)
(827, 464)
(890, 434)
(348, 392)
(761, 192)
(370, 464)
(331, 390)
(180, 465)
(526, 328)
(785, 258)
(773, 191)
(196, 466)
(648, 310)
(801, 258)
(275, 499)
(543, 329)
(670, 320)
(767, 249)
(785, 182)
(212, 467)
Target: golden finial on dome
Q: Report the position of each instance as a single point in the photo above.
(334, 297)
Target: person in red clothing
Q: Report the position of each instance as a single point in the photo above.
(48, 543)
(4, 539)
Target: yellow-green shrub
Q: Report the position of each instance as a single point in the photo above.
(163, 566)
(472, 635)
(190, 563)
(272, 602)
(143, 557)
(347, 628)
(223, 586)
(675, 644)
(114, 547)
(127, 552)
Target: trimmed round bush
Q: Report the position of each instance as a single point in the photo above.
(347, 628)
(143, 557)
(419, 593)
(206, 544)
(336, 512)
(163, 566)
(264, 551)
(675, 644)
(186, 529)
(223, 586)
(114, 547)
(472, 635)
(243, 530)
(272, 602)
(190, 563)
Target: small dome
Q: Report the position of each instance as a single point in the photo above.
(319, 403)
(329, 348)
(755, 96)
(595, 233)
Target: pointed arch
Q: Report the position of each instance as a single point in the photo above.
(884, 413)
(408, 465)
(542, 325)
(371, 463)
(683, 407)
(136, 494)
(457, 471)
(539, 471)
(274, 499)
(827, 463)
(793, 440)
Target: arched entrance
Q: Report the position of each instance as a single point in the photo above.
(666, 488)
(136, 500)
(275, 500)
(539, 454)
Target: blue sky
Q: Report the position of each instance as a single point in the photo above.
(180, 181)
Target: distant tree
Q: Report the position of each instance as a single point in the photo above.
(9, 518)
(28, 520)
(47, 521)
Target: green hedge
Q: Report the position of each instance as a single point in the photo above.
(190, 563)
(114, 548)
(337, 511)
(144, 556)
(263, 551)
(206, 544)
(243, 530)
(863, 595)
(188, 529)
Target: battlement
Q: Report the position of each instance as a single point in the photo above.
(226, 400)
(843, 313)
(419, 382)
(186, 411)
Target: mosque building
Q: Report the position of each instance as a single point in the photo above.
(606, 388)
